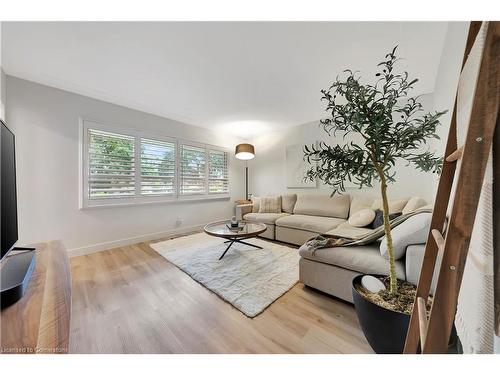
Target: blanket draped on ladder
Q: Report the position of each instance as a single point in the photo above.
(475, 311)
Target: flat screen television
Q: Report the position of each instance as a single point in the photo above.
(8, 202)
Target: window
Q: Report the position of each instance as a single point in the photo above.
(129, 167)
(218, 182)
(111, 165)
(157, 167)
(193, 170)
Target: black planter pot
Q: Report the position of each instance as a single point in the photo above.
(384, 329)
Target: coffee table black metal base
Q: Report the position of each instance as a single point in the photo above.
(222, 229)
(233, 240)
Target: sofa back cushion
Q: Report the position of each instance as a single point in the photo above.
(288, 202)
(412, 231)
(270, 205)
(395, 206)
(413, 204)
(323, 205)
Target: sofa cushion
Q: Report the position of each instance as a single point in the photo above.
(412, 231)
(270, 205)
(266, 218)
(317, 224)
(323, 205)
(362, 218)
(294, 236)
(394, 205)
(348, 231)
(363, 259)
(413, 204)
(288, 202)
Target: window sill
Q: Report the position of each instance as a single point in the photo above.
(123, 202)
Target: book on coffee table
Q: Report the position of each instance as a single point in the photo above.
(235, 229)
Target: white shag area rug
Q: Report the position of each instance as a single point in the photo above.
(248, 278)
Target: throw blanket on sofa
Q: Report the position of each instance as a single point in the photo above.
(327, 241)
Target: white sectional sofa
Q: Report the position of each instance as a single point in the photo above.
(305, 216)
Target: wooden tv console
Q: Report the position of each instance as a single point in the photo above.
(40, 321)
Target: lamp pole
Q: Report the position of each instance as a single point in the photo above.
(246, 179)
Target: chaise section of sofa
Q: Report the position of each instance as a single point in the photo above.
(331, 270)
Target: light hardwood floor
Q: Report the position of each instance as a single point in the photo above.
(131, 300)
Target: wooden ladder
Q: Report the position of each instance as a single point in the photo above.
(434, 333)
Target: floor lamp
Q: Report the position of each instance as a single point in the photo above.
(245, 151)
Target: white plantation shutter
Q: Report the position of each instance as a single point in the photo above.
(124, 166)
(111, 165)
(217, 172)
(192, 168)
(157, 167)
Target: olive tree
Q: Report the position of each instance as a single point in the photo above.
(391, 127)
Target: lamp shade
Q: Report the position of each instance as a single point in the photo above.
(244, 151)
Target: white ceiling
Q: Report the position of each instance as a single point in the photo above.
(243, 77)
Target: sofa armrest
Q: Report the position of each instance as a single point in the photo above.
(413, 265)
(242, 210)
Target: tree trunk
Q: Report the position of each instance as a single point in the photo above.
(387, 228)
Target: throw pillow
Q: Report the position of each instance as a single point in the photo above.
(288, 202)
(412, 231)
(413, 204)
(359, 203)
(255, 204)
(362, 218)
(379, 218)
(270, 205)
(394, 205)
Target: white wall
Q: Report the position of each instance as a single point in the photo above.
(45, 122)
(448, 74)
(268, 172)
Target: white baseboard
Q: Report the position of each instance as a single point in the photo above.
(130, 241)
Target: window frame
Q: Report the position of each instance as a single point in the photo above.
(138, 199)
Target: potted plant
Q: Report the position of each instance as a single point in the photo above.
(390, 126)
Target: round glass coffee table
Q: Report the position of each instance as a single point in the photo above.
(246, 230)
